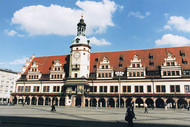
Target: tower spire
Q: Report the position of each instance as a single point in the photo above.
(81, 27)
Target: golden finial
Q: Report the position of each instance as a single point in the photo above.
(82, 16)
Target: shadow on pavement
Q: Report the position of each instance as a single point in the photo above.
(8, 121)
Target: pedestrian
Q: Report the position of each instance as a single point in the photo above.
(145, 108)
(53, 107)
(129, 116)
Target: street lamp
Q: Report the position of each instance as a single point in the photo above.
(119, 73)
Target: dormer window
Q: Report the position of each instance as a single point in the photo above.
(77, 40)
(182, 53)
(120, 65)
(96, 59)
(121, 58)
(57, 71)
(150, 56)
(136, 69)
(170, 67)
(104, 70)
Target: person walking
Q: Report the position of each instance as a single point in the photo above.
(129, 116)
(53, 107)
(145, 108)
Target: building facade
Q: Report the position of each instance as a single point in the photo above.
(8, 80)
(153, 76)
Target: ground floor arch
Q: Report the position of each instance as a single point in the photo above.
(159, 103)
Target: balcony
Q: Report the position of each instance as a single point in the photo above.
(75, 67)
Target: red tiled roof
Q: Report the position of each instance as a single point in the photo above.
(158, 54)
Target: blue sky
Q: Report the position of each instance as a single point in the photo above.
(47, 27)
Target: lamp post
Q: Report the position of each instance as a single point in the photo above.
(119, 73)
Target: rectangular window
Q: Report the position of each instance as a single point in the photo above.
(164, 73)
(54, 89)
(109, 74)
(169, 73)
(173, 73)
(130, 74)
(163, 88)
(116, 88)
(142, 73)
(177, 88)
(157, 88)
(102, 75)
(172, 64)
(138, 65)
(106, 74)
(134, 74)
(187, 88)
(95, 88)
(75, 75)
(136, 89)
(111, 88)
(129, 89)
(105, 88)
(133, 65)
(141, 88)
(99, 75)
(168, 63)
(124, 89)
(101, 89)
(172, 88)
(177, 72)
(148, 88)
(138, 74)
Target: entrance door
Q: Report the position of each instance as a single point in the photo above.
(78, 101)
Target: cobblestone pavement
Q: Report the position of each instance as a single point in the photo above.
(41, 116)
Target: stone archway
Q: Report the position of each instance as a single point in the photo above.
(34, 100)
(102, 102)
(86, 102)
(170, 102)
(111, 102)
(27, 100)
(62, 101)
(182, 103)
(78, 101)
(40, 101)
(15, 100)
(149, 102)
(121, 102)
(159, 103)
(47, 101)
(93, 102)
(139, 102)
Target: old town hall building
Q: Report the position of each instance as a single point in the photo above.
(154, 76)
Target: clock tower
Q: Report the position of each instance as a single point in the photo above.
(80, 53)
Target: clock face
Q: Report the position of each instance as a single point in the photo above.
(76, 55)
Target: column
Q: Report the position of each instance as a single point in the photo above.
(88, 102)
(133, 101)
(175, 100)
(115, 102)
(30, 100)
(106, 102)
(73, 99)
(23, 97)
(124, 99)
(44, 100)
(17, 97)
(58, 99)
(97, 99)
(51, 99)
(82, 101)
(154, 102)
(37, 100)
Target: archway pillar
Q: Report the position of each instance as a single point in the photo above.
(175, 100)
(106, 102)
(51, 101)
(97, 100)
(82, 101)
(154, 101)
(44, 100)
(24, 99)
(17, 97)
(124, 100)
(115, 101)
(88, 102)
(58, 99)
(37, 100)
(134, 101)
(11, 99)
(30, 100)
(73, 99)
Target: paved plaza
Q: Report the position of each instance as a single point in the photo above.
(41, 116)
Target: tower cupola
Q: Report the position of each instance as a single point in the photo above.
(81, 27)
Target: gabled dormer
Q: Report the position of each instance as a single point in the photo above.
(34, 72)
(136, 69)
(170, 68)
(56, 71)
(104, 70)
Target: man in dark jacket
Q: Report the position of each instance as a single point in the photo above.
(130, 115)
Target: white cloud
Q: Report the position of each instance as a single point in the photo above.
(167, 27)
(15, 62)
(11, 32)
(138, 14)
(179, 23)
(172, 40)
(60, 20)
(101, 42)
